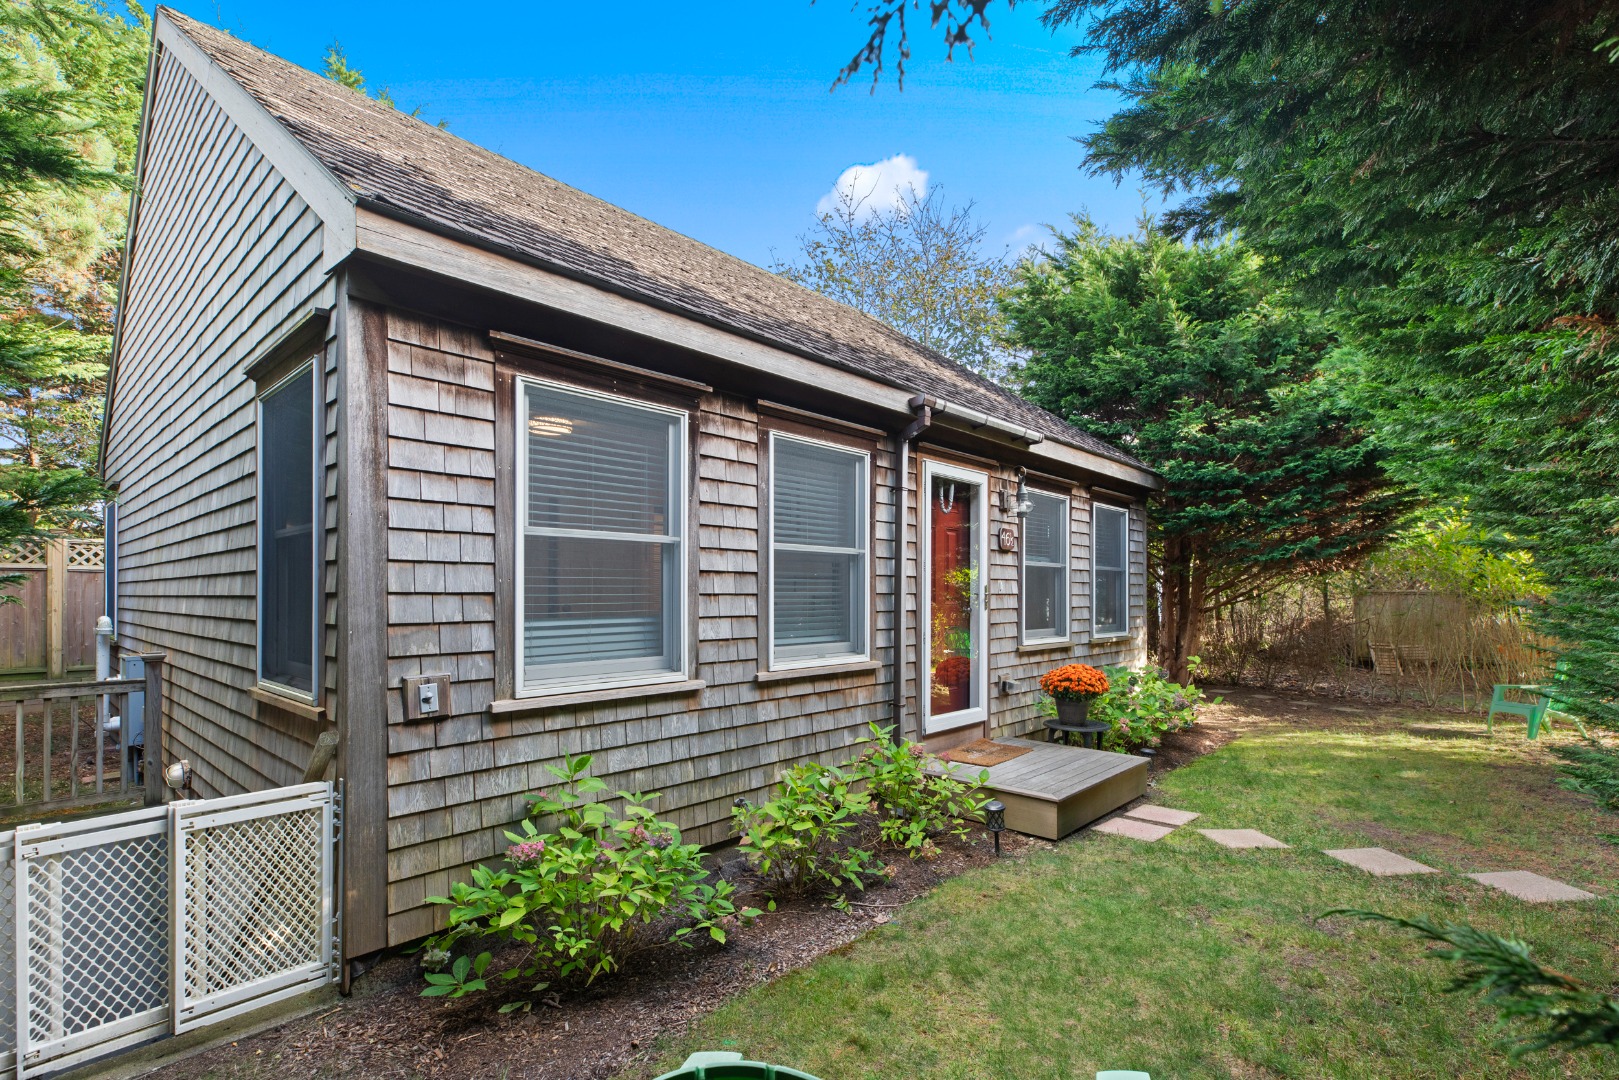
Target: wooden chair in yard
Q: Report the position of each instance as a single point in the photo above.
(1385, 658)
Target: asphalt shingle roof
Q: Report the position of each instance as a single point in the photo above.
(421, 171)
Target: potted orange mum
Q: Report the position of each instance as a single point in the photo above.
(1072, 687)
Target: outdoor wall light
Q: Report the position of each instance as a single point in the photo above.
(995, 820)
(178, 775)
(1016, 502)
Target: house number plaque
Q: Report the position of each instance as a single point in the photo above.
(1008, 538)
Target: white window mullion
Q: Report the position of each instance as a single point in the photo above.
(819, 552)
(601, 540)
(1045, 569)
(1110, 570)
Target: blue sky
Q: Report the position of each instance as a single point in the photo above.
(715, 119)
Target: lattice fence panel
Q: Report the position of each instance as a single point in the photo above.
(90, 909)
(86, 554)
(23, 554)
(93, 928)
(255, 903)
(8, 951)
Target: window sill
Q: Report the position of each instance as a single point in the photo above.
(541, 702)
(296, 706)
(1045, 646)
(818, 671)
(1122, 635)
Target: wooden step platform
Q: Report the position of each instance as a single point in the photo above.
(1054, 789)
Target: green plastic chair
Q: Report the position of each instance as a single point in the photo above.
(1534, 712)
(725, 1065)
(1538, 713)
(1122, 1074)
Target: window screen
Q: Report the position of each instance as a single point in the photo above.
(287, 533)
(1045, 568)
(1110, 547)
(602, 537)
(818, 550)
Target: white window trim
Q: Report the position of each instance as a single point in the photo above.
(864, 529)
(977, 713)
(317, 429)
(1110, 635)
(681, 622)
(1066, 588)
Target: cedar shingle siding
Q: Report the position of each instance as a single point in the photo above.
(228, 256)
(262, 187)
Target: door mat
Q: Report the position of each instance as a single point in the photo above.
(984, 753)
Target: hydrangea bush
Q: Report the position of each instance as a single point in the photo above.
(915, 799)
(583, 898)
(1139, 707)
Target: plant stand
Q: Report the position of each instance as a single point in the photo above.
(1072, 719)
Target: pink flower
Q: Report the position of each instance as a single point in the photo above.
(527, 854)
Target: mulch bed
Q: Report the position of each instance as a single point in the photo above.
(388, 1030)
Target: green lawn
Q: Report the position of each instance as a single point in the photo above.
(1187, 960)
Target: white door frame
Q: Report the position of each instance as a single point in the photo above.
(977, 712)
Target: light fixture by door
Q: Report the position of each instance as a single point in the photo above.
(1018, 503)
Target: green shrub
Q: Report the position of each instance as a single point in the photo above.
(581, 897)
(1140, 707)
(1559, 1012)
(912, 804)
(1590, 770)
(797, 838)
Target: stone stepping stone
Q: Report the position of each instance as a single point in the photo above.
(1531, 887)
(1347, 709)
(1241, 838)
(1379, 862)
(1135, 830)
(1163, 815)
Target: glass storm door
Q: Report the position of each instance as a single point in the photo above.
(953, 596)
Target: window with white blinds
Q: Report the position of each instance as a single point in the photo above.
(1110, 570)
(286, 525)
(602, 538)
(818, 551)
(1045, 569)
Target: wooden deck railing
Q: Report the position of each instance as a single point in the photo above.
(60, 728)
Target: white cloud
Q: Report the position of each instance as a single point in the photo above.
(1027, 239)
(881, 186)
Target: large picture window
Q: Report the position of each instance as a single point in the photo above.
(1045, 569)
(818, 552)
(1110, 570)
(601, 538)
(287, 541)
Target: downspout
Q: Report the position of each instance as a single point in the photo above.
(902, 531)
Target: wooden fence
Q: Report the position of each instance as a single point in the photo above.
(51, 630)
(69, 742)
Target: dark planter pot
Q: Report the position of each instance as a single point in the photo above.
(1073, 712)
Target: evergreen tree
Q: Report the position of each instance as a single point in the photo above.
(1443, 176)
(1189, 356)
(71, 77)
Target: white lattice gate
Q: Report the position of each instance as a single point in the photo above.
(122, 928)
(253, 911)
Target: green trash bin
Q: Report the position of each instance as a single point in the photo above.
(725, 1065)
